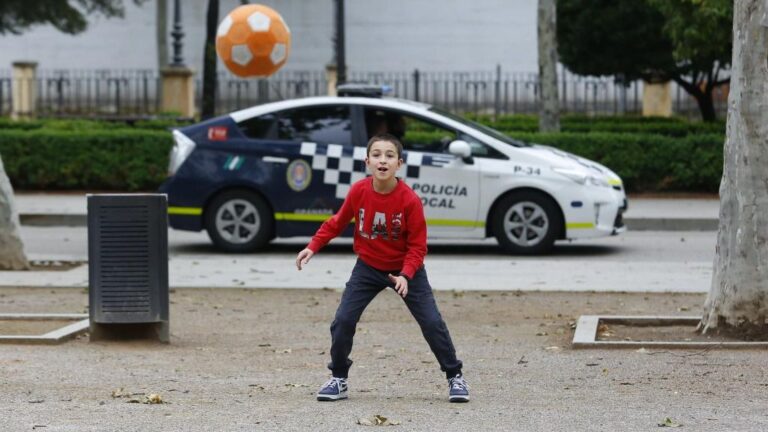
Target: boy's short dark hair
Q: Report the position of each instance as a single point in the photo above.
(388, 138)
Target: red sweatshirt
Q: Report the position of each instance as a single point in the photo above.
(390, 230)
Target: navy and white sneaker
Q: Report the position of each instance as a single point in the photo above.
(333, 390)
(458, 389)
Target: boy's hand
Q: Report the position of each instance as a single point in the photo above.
(401, 284)
(303, 258)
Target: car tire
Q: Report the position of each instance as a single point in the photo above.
(526, 223)
(239, 221)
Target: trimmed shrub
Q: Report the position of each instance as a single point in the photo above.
(93, 155)
(650, 125)
(123, 159)
(87, 125)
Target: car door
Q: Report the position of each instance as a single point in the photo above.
(447, 185)
(307, 164)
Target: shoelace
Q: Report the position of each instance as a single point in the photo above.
(458, 383)
(334, 382)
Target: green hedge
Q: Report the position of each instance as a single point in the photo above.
(89, 125)
(80, 155)
(647, 162)
(650, 125)
(121, 159)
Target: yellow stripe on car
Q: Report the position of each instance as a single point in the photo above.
(300, 217)
(579, 225)
(186, 211)
(455, 222)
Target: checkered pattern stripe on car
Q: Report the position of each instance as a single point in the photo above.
(342, 170)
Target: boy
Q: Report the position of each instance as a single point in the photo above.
(390, 241)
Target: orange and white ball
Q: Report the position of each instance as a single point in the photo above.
(253, 40)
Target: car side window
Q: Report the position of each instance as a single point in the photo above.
(479, 149)
(261, 127)
(321, 124)
(415, 133)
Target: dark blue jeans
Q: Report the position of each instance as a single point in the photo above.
(363, 285)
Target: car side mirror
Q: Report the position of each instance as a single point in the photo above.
(463, 150)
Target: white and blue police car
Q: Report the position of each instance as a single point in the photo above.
(281, 169)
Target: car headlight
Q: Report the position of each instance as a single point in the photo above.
(581, 178)
(181, 150)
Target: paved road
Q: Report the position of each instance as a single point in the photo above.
(635, 261)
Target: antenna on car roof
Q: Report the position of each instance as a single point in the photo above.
(363, 90)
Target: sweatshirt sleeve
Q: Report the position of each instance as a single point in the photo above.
(416, 241)
(332, 227)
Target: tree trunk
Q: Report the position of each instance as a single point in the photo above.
(739, 292)
(12, 255)
(706, 106)
(549, 110)
(162, 33)
(208, 108)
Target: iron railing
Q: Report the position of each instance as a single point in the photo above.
(135, 93)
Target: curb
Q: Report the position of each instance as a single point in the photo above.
(49, 220)
(633, 224)
(671, 224)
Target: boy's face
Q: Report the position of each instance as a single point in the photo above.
(383, 160)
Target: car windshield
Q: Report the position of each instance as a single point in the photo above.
(482, 128)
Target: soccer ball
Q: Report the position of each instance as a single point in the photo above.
(253, 40)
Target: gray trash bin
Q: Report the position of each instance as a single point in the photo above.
(128, 266)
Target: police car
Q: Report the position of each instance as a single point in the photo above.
(281, 169)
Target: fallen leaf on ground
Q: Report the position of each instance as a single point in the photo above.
(668, 422)
(604, 331)
(153, 399)
(377, 420)
(150, 399)
(120, 393)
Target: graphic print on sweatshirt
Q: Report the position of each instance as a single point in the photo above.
(378, 227)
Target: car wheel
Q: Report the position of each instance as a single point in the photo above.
(526, 223)
(239, 221)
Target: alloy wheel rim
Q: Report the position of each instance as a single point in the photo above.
(526, 224)
(237, 221)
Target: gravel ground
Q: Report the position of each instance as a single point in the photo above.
(253, 360)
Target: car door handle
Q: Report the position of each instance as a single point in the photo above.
(491, 176)
(274, 159)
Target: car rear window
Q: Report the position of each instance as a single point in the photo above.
(321, 124)
(262, 127)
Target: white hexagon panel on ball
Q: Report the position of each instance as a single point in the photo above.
(278, 53)
(241, 55)
(259, 22)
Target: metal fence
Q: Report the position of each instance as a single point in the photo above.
(131, 93)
